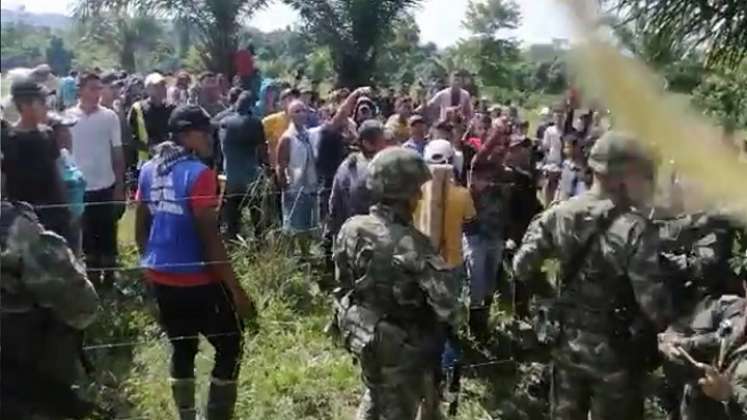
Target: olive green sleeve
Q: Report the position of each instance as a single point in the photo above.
(443, 291)
(737, 404)
(55, 277)
(537, 246)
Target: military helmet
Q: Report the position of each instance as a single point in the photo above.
(396, 173)
(613, 151)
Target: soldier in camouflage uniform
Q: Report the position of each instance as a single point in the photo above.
(46, 301)
(717, 389)
(695, 250)
(610, 299)
(396, 297)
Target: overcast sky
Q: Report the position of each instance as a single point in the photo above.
(439, 20)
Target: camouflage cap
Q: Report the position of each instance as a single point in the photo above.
(396, 173)
(613, 151)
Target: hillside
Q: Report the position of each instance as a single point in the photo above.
(50, 20)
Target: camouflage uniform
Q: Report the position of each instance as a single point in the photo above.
(396, 294)
(607, 308)
(695, 249)
(716, 336)
(46, 301)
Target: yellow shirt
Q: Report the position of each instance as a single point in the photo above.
(274, 125)
(458, 208)
(400, 129)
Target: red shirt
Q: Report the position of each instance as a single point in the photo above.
(243, 61)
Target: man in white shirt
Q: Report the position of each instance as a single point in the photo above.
(552, 145)
(453, 98)
(97, 148)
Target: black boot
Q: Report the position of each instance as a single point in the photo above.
(183, 391)
(221, 399)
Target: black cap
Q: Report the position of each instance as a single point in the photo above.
(189, 117)
(370, 129)
(109, 78)
(26, 87)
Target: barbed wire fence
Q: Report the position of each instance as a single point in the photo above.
(142, 268)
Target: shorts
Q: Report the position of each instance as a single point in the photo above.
(300, 211)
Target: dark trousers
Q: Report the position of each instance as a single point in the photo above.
(100, 229)
(185, 313)
(234, 204)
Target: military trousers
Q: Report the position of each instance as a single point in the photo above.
(577, 393)
(399, 371)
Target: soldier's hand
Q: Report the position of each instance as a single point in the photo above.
(670, 343)
(716, 385)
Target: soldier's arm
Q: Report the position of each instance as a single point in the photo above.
(737, 404)
(705, 342)
(344, 243)
(54, 276)
(441, 286)
(537, 246)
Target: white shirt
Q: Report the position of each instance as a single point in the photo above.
(552, 143)
(94, 136)
(442, 100)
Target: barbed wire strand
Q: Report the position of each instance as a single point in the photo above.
(182, 265)
(173, 200)
(319, 192)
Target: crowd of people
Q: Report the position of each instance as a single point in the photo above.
(407, 196)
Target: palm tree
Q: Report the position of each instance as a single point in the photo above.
(720, 26)
(124, 32)
(353, 30)
(217, 22)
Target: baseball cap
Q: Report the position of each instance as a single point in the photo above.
(370, 129)
(189, 117)
(154, 79)
(27, 87)
(438, 152)
(415, 119)
(109, 78)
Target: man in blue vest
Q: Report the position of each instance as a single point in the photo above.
(195, 286)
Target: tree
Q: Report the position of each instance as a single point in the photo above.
(58, 58)
(124, 31)
(403, 56)
(682, 67)
(217, 22)
(22, 44)
(719, 26)
(495, 57)
(723, 96)
(488, 17)
(353, 30)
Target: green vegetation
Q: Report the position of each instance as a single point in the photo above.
(291, 369)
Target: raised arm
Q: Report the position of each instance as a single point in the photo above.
(340, 119)
(283, 159)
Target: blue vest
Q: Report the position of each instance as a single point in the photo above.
(174, 245)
